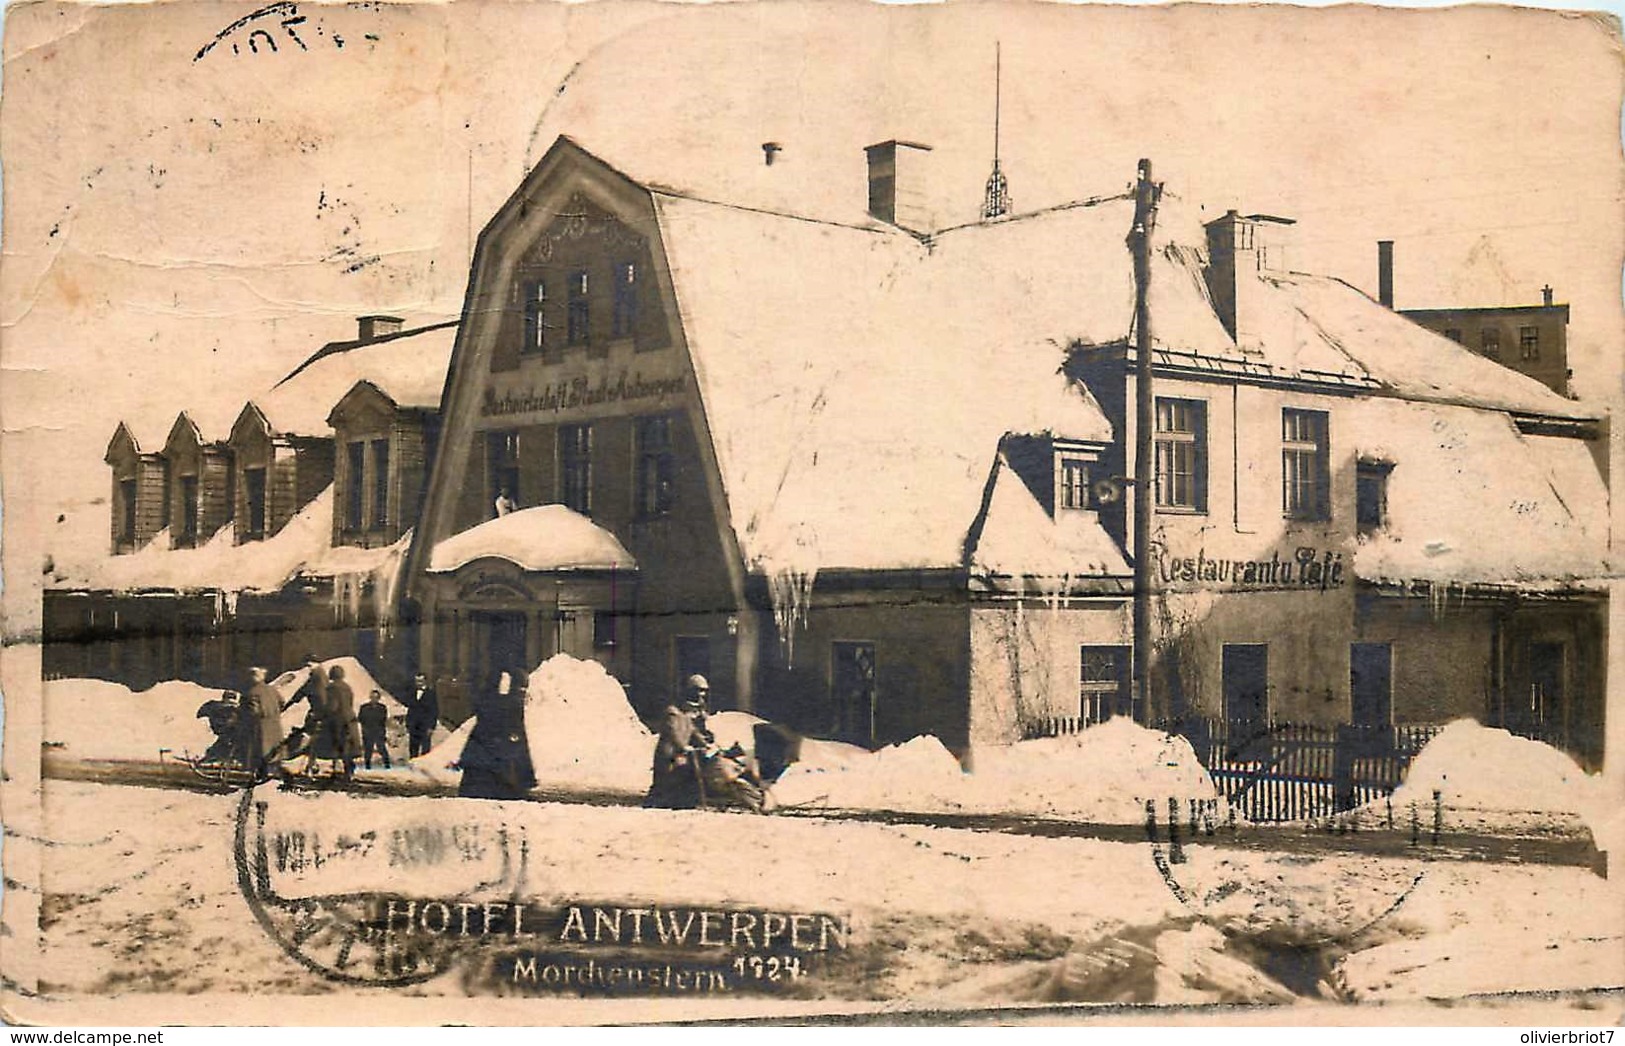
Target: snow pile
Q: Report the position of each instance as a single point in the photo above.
(581, 730)
(734, 728)
(1489, 778)
(917, 775)
(1104, 774)
(95, 719)
(546, 537)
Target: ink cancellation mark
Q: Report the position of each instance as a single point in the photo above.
(283, 27)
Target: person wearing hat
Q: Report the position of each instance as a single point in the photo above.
(682, 738)
(496, 760)
(265, 708)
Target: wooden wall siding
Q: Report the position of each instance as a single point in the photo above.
(282, 489)
(215, 499)
(314, 472)
(149, 499)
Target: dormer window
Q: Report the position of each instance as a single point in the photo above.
(1073, 492)
(126, 495)
(254, 499)
(189, 510)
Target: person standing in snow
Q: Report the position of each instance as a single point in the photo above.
(343, 732)
(265, 713)
(422, 715)
(682, 739)
(374, 717)
(496, 760)
(313, 691)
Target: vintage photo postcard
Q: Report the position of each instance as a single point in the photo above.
(545, 513)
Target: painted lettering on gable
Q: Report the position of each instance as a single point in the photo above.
(580, 392)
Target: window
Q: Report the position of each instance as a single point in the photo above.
(502, 465)
(189, 509)
(1529, 343)
(163, 510)
(355, 484)
(605, 624)
(1371, 495)
(625, 317)
(657, 466)
(254, 497)
(577, 315)
(575, 467)
(380, 483)
(535, 318)
(1103, 687)
(1489, 342)
(126, 494)
(1074, 483)
(231, 488)
(1181, 454)
(1454, 334)
(1305, 465)
(853, 692)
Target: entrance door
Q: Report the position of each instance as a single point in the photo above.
(1246, 687)
(852, 691)
(499, 643)
(1371, 684)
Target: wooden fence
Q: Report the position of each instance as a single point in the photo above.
(1288, 771)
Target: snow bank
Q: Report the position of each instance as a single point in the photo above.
(544, 537)
(1104, 774)
(356, 675)
(734, 728)
(95, 719)
(1490, 778)
(581, 731)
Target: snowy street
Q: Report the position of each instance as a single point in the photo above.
(940, 916)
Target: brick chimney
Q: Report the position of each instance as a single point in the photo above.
(898, 184)
(1385, 272)
(1240, 247)
(371, 328)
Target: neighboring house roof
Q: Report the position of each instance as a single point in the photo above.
(1471, 500)
(409, 368)
(545, 538)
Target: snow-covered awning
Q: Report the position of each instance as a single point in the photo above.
(543, 538)
(1472, 501)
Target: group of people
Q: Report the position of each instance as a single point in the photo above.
(248, 730)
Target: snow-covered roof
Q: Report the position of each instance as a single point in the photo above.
(1471, 500)
(545, 537)
(1019, 539)
(857, 382)
(409, 368)
(1323, 323)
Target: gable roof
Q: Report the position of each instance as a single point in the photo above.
(409, 368)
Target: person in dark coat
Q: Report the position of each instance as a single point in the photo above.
(225, 716)
(313, 734)
(422, 715)
(682, 739)
(343, 732)
(496, 760)
(264, 709)
(374, 717)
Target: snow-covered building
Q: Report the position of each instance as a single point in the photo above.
(256, 540)
(866, 474)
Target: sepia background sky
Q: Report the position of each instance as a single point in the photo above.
(179, 230)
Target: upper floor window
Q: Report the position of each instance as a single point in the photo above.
(126, 495)
(1454, 334)
(1529, 343)
(380, 483)
(1181, 454)
(1074, 483)
(1489, 342)
(163, 508)
(1371, 495)
(535, 317)
(657, 466)
(578, 313)
(189, 509)
(624, 318)
(254, 500)
(1305, 465)
(575, 467)
(231, 487)
(502, 470)
(355, 485)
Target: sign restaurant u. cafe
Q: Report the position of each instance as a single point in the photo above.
(1305, 568)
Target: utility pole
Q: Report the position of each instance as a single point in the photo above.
(1145, 220)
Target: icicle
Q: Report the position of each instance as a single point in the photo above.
(791, 591)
